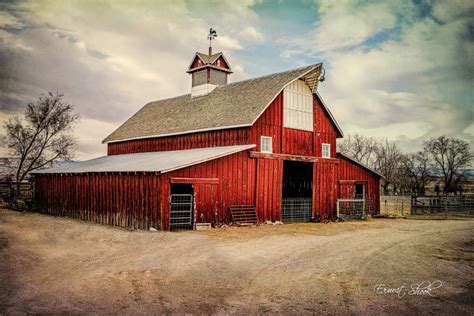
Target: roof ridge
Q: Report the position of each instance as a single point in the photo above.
(273, 74)
(228, 106)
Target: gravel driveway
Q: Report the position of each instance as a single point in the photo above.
(58, 265)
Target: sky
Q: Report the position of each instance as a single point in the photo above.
(402, 70)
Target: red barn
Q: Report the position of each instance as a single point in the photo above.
(267, 143)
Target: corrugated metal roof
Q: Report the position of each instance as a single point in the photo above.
(163, 161)
(227, 106)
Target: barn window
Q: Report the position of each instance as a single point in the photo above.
(265, 144)
(298, 106)
(326, 150)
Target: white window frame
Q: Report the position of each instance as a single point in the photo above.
(328, 146)
(262, 139)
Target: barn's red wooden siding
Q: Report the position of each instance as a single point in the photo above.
(127, 200)
(236, 176)
(142, 200)
(350, 174)
(269, 189)
(325, 189)
(228, 137)
(324, 129)
(292, 141)
(269, 124)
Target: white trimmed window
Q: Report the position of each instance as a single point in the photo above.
(265, 144)
(326, 150)
(298, 106)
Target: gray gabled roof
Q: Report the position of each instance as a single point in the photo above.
(208, 59)
(232, 105)
(163, 161)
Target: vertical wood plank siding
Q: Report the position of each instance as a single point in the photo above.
(349, 171)
(236, 186)
(269, 124)
(228, 137)
(324, 130)
(127, 200)
(325, 189)
(269, 189)
(142, 200)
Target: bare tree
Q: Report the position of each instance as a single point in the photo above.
(42, 136)
(415, 170)
(449, 155)
(360, 148)
(387, 162)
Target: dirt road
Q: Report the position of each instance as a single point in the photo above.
(61, 265)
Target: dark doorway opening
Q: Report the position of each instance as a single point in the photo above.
(181, 207)
(297, 192)
(360, 191)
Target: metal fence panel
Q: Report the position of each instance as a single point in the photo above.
(449, 205)
(181, 211)
(352, 208)
(296, 210)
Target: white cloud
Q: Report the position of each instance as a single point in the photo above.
(251, 34)
(408, 87)
(110, 58)
(343, 25)
(447, 11)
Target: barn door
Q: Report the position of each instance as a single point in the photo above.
(296, 202)
(181, 207)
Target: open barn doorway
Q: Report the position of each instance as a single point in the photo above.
(181, 206)
(297, 192)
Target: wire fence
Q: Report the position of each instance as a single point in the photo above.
(426, 206)
(295, 210)
(443, 205)
(395, 206)
(351, 208)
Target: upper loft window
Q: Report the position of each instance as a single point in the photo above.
(266, 144)
(326, 148)
(298, 106)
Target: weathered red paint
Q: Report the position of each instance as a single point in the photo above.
(350, 174)
(246, 178)
(227, 137)
(128, 200)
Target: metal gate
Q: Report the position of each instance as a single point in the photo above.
(296, 210)
(181, 211)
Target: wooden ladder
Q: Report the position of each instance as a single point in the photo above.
(243, 215)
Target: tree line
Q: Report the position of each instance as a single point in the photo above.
(404, 173)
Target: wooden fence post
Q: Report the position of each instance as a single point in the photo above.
(445, 208)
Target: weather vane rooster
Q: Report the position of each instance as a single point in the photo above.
(212, 35)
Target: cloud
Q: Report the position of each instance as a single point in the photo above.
(414, 84)
(251, 34)
(344, 25)
(400, 69)
(109, 58)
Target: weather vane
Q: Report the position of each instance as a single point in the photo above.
(212, 35)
